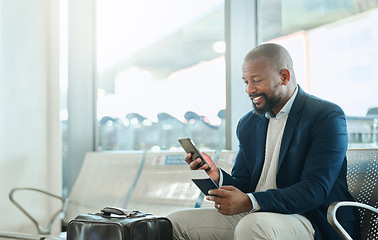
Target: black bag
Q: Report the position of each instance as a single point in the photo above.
(119, 224)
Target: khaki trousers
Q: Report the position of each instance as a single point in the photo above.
(208, 224)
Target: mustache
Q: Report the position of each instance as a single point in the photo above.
(257, 95)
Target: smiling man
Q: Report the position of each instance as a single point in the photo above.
(268, 79)
(291, 163)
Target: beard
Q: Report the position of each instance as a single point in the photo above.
(270, 103)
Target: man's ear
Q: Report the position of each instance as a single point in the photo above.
(285, 76)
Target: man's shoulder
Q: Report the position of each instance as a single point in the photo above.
(314, 104)
(250, 117)
(249, 122)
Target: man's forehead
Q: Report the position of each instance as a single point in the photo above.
(254, 64)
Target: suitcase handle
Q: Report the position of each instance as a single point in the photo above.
(107, 211)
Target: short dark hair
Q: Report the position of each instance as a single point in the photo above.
(277, 56)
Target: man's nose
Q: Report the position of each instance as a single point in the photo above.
(250, 88)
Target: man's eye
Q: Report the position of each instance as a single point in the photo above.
(257, 80)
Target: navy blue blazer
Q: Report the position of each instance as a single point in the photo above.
(311, 172)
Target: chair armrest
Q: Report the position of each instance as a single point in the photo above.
(331, 215)
(41, 230)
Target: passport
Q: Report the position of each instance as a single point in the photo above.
(203, 181)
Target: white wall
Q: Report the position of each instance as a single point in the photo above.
(29, 106)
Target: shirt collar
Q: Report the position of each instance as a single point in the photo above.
(286, 108)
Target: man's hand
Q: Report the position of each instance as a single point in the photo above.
(229, 200)
(213, 172)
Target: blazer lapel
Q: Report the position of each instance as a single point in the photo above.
(261, 131)
(292, 121)
(259, 146)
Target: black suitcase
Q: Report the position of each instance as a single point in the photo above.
(119, 224)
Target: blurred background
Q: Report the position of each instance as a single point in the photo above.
(122, 75)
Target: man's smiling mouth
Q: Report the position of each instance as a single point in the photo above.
(257, 99)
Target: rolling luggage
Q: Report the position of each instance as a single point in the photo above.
(119, 224)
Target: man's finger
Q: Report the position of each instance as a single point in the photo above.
(217, 192)
(188, 158)
(194, 164)
(228, 188)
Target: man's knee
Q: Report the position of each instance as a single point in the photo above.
(253, 226)
(263, 225)
(184, 224)
(204, 223)
(175, 218)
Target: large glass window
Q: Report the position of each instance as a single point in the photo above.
(161, 73)
(334, 49)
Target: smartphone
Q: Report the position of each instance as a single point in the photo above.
(189, 147)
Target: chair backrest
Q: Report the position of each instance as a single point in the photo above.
(362, 182)
(104, 180)
(226, 160)
(164, 184)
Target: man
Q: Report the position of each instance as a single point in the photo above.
(291, 163)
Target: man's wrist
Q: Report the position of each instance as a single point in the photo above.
(255, 205)
(220, 182)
